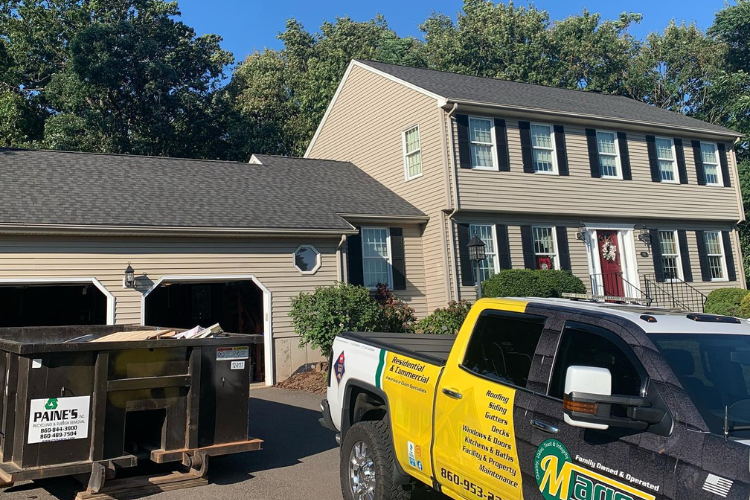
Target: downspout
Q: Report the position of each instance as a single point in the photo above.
(453, 203)
(340, 267)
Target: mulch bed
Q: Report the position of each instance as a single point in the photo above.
(312, 381)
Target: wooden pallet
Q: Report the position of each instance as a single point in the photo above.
(141, 486)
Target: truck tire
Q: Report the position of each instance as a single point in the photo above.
(367, 461)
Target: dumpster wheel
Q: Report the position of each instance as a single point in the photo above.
(197, 463)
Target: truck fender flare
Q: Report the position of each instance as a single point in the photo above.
(399, 475)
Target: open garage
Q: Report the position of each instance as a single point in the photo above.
(237, 304)
(49, 304)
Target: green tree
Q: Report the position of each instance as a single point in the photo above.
(120, 76)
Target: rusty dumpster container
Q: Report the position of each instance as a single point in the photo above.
(72, 405)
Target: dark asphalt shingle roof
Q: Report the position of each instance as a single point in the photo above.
(53, 187)
(456, 87)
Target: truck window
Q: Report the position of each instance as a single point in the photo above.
(586, 345)
(502, 346)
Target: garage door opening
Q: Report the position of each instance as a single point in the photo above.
(52, 305)
(238, 306)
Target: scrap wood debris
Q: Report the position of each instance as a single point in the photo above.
(197, 332)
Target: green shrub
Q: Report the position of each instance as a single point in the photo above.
(744, 310)
(397, 316)
(725, 301)
(532, 283)
(319, 316)
(446, 320)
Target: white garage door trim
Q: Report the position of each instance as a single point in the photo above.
(209, 278)
(76, 281)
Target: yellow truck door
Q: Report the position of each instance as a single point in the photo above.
(474, 449)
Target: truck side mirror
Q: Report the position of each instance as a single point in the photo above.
(588, 402)
(588, 380)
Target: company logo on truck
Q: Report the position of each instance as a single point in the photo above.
(338, 367)
(561, 479)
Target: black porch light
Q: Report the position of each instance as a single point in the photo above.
(476, 249)
(581, 233)
(129, 276)
(476, 255)
(644, 235)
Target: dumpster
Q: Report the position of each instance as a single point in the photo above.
(74, 402)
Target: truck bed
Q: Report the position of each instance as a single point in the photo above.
(432, 349)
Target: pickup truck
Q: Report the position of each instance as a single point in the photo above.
(547, 399)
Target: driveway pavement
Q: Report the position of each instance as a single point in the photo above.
(299, 462)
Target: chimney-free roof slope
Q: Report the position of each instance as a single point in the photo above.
(87, 189)
(454, 87)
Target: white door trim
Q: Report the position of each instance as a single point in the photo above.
(79, 281)
(628, 259)
(209, 278)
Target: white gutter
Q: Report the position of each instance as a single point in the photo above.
(9, 228)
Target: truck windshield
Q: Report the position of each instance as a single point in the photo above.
(715, 371)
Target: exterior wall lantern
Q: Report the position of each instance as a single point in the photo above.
(644, 235)
(581, 234)
(129, 281)
(476, 255)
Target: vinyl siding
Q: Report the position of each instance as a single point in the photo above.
(578, 249)
(365, 126)
(579, 193)
(269, 260)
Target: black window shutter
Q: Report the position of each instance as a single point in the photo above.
(464, 149)
(656, 253)
(653, 159)
(622, 139)
(354, 258)
(593, 153)
(398, 258)
(562, 151)
(563, 250)
(724, 165)
(687, 270)
(703, 256)
(699, 172)
(501, 138)
(503, 246)
(729, 256)
(681, 165)
(467, 275)
(526, 152)
(527, 242)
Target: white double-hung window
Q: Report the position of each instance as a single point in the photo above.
(715, 254)
(482, 144)
(545, 248)
(667, 162)
(486, 233)
(670, 255)
(376, 256)
(543, 147)
(710, 157)
(412, 152)
(609, 155)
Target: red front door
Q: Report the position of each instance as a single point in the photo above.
(609, 256)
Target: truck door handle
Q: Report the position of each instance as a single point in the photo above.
(452, 394)
(545, 427)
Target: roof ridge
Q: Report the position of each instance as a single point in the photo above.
(302, 158)
(589, 92)
(121, 155)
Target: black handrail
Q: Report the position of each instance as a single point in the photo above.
(673, 293)
(602, 282)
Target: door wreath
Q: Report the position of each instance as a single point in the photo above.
(609, 250)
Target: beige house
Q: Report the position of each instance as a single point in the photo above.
(209, 242)
(637, 201)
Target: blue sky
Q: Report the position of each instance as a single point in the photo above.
(248, 25)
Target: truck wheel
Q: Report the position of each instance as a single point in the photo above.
(367, 459)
